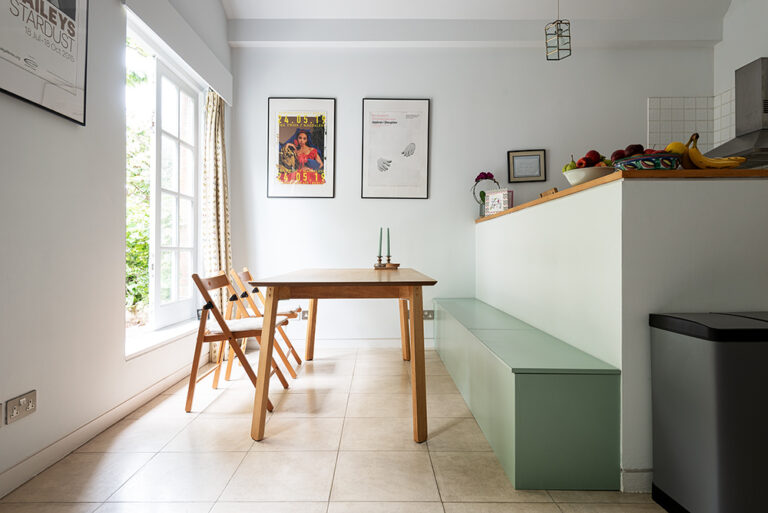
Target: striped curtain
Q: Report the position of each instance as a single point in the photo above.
(217, 251)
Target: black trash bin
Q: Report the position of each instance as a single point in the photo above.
(710, 411)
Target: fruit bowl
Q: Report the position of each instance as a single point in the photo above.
(667, 161)
(582, 175)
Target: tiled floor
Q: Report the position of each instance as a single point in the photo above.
(339, 441)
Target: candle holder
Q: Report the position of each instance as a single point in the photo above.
(388, 266)
(379, 265)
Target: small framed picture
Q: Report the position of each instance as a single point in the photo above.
(527, 166)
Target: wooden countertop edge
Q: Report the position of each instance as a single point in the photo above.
(618, 175)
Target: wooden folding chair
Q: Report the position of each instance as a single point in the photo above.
(223, 331)
(241, 279)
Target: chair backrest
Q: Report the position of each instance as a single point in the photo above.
(241, 279)
(218, 282)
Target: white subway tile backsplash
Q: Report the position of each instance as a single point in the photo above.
(701, 102)
(678, 103)
(690, 103)
(666, 103)
(676, 118)
(654, 103)
(677, 114)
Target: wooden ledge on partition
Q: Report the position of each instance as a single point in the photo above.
(619, 175)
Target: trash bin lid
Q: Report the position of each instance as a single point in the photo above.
(717, 327)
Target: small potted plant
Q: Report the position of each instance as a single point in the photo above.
(480, 195)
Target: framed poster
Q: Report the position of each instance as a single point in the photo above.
(301, 147)
(43, 54)
(395, 148)
(527, 166)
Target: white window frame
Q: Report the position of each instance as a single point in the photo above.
(177, 310)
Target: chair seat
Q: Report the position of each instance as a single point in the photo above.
(247, 324)
(283, 308)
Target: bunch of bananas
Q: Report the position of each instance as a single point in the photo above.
(692, 158)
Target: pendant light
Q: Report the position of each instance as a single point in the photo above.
(558, 38)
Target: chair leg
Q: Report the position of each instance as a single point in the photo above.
(291, 350)
(222, 347)
(281, 354)
(276, 370)
(248, 369)
(193, 375)
(230, 358)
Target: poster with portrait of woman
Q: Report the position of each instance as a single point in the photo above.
(300, 148)
(395, 148)
(43, 47)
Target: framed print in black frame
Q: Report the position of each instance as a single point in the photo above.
(395, 159)
(301, 147)
(43, 62)
(527, 166)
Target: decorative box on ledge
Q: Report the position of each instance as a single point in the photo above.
(498, 201)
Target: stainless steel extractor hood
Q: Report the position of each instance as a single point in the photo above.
(751, 117)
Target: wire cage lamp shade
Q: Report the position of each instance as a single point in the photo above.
(558, 40)
(557, 36)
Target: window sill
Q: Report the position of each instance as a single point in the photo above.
(140, 341)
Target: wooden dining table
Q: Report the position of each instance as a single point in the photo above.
(315, 284)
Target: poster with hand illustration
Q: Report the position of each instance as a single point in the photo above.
(395, 148)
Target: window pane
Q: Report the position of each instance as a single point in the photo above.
(167, 275)
(169, 175)
(185, 274)
(187, 118)
(170, 103)
(186, 223)
(168, 220)
(187, 171)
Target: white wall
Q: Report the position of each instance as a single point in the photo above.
(485, 101)
(744, 40)
(209, 21)
(62, 258)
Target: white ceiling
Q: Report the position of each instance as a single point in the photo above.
(637, 10)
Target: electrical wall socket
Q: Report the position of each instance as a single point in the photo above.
(21, 406)
(429, 315)
(304, 315)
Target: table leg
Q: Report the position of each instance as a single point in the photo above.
(265, 365)
(418, 379)
(404, 336)
(309, 351)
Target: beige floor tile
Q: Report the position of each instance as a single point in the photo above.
(327, 368)
(435, 367)
(137, 435)
(600, 496)
(380, 405)
(80, 477)
(477, 477)
(456, 434)
(209, 433)
(239, 401)
(323, 354)
(312, 404)
(384, 476)
(323, 384)
(566, 507)
(172, 406)
(282, 476)
(447, 405)
(381, 368)
(498, 507)
(180, 476)
(400, 384)
(385, 507)
(300, 434)
(78, 507)
(441, 385)
(270, 507)
(384, 354)
(155, 507)
(392, 434)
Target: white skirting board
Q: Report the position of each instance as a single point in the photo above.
(41, 460)
(636, 480)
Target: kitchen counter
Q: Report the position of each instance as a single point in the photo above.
(619, 175)
(590, 263)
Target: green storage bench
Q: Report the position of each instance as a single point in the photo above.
(549, 410)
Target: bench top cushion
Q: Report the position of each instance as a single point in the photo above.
(525, 349)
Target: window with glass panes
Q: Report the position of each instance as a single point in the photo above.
(175, 193)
